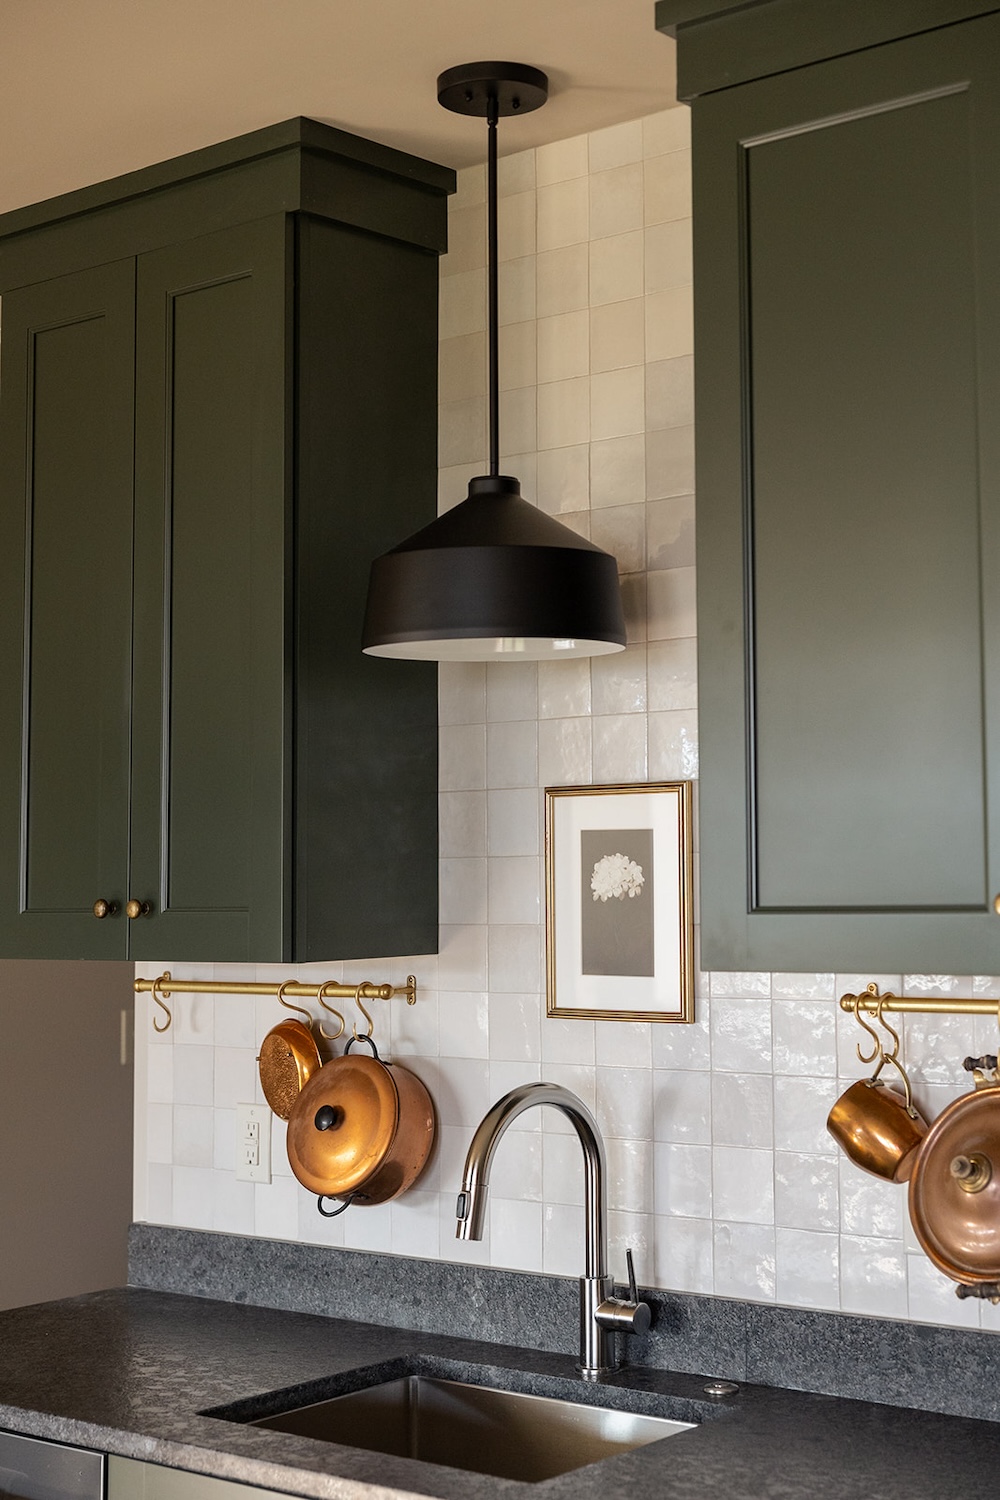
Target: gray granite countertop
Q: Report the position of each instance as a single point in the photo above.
(134, 1372)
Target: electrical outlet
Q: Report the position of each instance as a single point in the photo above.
(253, 1142)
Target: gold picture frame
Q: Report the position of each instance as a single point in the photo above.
(619, 929)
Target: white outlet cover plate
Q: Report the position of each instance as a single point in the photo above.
(249, 1116)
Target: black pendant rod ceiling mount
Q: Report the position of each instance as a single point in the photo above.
(494, 578)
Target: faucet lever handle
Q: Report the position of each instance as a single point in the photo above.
(633, 1291)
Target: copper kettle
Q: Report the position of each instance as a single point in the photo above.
(360, 1131)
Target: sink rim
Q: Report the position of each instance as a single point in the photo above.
(611, 1392)
(444, 1420)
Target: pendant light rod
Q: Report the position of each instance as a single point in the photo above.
(493, 282)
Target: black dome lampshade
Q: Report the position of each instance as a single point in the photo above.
(495, 578)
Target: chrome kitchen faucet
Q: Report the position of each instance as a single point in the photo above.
(601, 1313)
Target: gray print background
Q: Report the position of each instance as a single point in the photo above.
(617, 935)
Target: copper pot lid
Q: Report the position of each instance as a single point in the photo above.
(288, 1058)
(954, 1194)
(342, 1125)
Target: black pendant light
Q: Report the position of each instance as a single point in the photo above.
(494, 578)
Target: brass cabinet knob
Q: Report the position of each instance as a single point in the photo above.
(996, 905)
(105, 908)
(136, 908)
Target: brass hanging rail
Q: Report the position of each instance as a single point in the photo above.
(164, 985)
(928, 1005)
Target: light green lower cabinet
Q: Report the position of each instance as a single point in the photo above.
(129, 1480)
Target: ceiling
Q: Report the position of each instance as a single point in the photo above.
(93, 88)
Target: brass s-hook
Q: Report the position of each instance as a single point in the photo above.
(878, 1050)
(288, 1004)
(158, 993)
(330, 1036)
(360, 1004)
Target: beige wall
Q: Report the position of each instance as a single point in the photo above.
(66, 1127)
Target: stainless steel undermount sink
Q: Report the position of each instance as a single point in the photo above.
(508, 1434)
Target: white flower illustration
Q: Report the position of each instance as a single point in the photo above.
(616, 876)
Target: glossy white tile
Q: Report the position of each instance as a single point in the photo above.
(618, 476)
(805, 1037)
(462, 824)
(620, 747)
(563, 346)
(564, 413)
(669, 323)
(669, 392)
(682, 1106)
(869, 1206)
(801, 1106)
(806, 1191)
(617, 403)
(744, 1261)
(683, 1181)
(807, 1268)
(515, 889)
(668, 255)
(563, 212)
(516, 173)
(565, 751)
(743, 1184)
(516, 280)
(667, 187)
(463, 304)
(617, 335)
(515, 225)
(679, 1046)
(672, 674)
(670, 604)
(563, 281)
(616, 200)
(515, 956)
(621, 530)
(630, 1174)
(616, 145)
(512, 753)
(872, 1277)
(516, 1233)
(742, 1109)
(670, 130)
(684, 1255)
(463, 1020)
(616, 268)
(560, 161)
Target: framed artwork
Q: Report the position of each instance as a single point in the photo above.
(619, 938)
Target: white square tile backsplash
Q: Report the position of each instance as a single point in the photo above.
(722, 1175)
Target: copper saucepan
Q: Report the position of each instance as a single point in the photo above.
(361, 1130)
(878, 1128)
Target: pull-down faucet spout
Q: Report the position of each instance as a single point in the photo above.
(601, 1313)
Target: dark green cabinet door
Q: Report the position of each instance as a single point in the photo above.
(210, 720)
(65, 593)
(847, 223)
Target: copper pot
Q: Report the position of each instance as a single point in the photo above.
(954, 1196)
(360, 1131)
(878, 1128)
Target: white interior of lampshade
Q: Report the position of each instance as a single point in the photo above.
(494, 648)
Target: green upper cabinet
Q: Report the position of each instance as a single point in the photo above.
(847, 338)
(219, 392)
